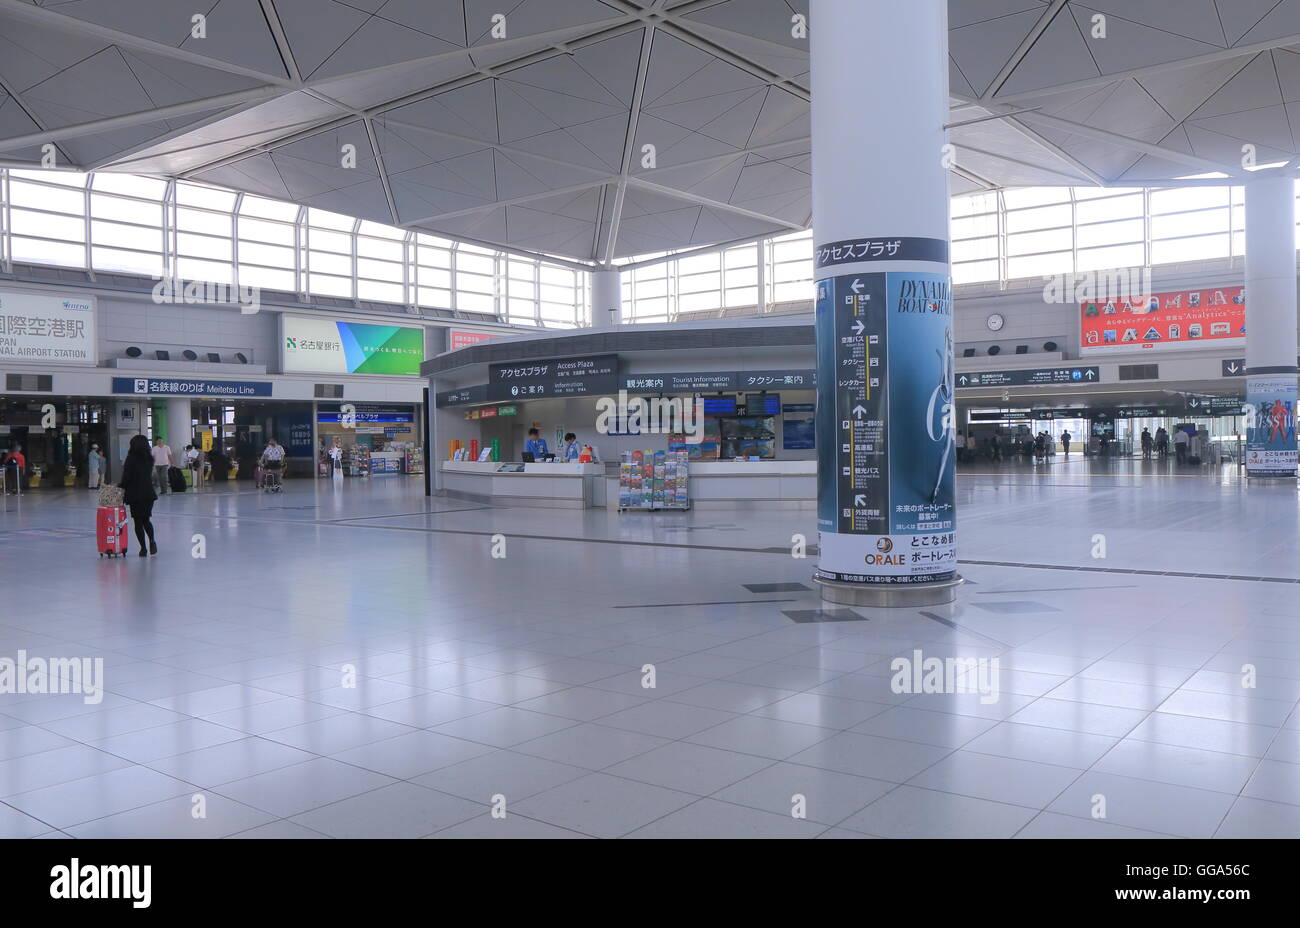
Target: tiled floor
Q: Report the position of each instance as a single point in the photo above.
(353, 662)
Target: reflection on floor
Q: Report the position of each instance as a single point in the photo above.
(355, 662)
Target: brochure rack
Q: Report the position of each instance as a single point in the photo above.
(653, 481)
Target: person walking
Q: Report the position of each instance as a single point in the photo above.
(1181, 439)
(1065, 442)
(1146, 444)
(94, 467)
(162, 462)
(1162, 442)
(138, 492)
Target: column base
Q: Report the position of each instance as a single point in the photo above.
(889, 595)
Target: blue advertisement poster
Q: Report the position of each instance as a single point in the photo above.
(1271, 425)
(886, 500)
(798, 427)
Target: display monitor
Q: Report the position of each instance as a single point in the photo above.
(720, 405)
(763, 404)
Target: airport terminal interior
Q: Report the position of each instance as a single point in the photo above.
(637, 418)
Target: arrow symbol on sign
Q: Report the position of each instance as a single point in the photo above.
(963, 380)
(1089, 374)
(1232, 367)
(858, 327)
(859, 412)
(859, 500)
(856, 286)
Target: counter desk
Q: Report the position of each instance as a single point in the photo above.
(553, 486)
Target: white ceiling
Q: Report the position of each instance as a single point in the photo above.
(533, 141)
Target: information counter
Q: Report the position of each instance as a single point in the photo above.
(772, 485)
(553, 486)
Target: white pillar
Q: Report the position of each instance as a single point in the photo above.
(1270, 326)
(179, 433)
(606, 298)
(885, 431)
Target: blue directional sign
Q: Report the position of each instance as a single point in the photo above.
(1030, 377)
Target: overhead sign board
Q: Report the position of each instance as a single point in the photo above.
(459, 338)
(711, 381)
(1028, 378)
(459, 397)
(171, 386)
(47, 328)
(1182, 318)
(1236, 367)
(554, 377)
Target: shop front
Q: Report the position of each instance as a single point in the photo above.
(368, 440)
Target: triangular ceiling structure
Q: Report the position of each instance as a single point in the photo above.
(602, 129)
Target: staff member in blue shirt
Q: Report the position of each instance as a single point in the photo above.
(570, 450)
(536, 445)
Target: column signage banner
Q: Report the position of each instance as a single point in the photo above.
(47, 328)
(169, 386)
(885, 375)
(554, 377)
(1271, 426)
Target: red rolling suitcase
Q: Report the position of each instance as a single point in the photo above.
(110, 530)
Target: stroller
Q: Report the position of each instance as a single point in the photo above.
(268, 478)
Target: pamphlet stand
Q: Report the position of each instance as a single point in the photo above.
(653, 481)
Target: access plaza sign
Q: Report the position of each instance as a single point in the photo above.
(1029, 377)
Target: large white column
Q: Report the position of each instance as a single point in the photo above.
(179, 433)
(1270, 326)
(884, 305)
(606, 298)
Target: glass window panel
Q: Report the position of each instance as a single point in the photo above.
(272, 255)
(38, 252)
(974, 226)
(328, 285)
(1035, 196)
(323, 240)
(268, 209)
(383, 292)
(1115, 256)
(324, 262)
(1110, 233)
(378, 248)
(475, 302)
(55, 199)
(111, 233)
(467, 261)
(974, 203)
(1040, 265)
(131, 185)
(1045, 217)
(974, 271)
(208, 197)
(429, 296)
(1110, 208)
(250, 276)
(129, 262)
(260, 230)
(435, 277)
(202, 246)
(742, 296)
(323, 219)
(1097, 193)
(975, 249)
(792, 291)
(380, 230)
(1182, 224)
(62, 178)
(1185, 198)
(1189, 249)
(68, 228)
(553, 294)
(1028, 243)
(193, 269)
(106, 207)
(379, 270)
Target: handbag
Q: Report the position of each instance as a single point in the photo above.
(110, 494)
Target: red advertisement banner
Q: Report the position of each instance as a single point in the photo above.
(1181, 318)
(460, 339)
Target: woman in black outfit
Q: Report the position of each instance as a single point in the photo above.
(137, 486)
